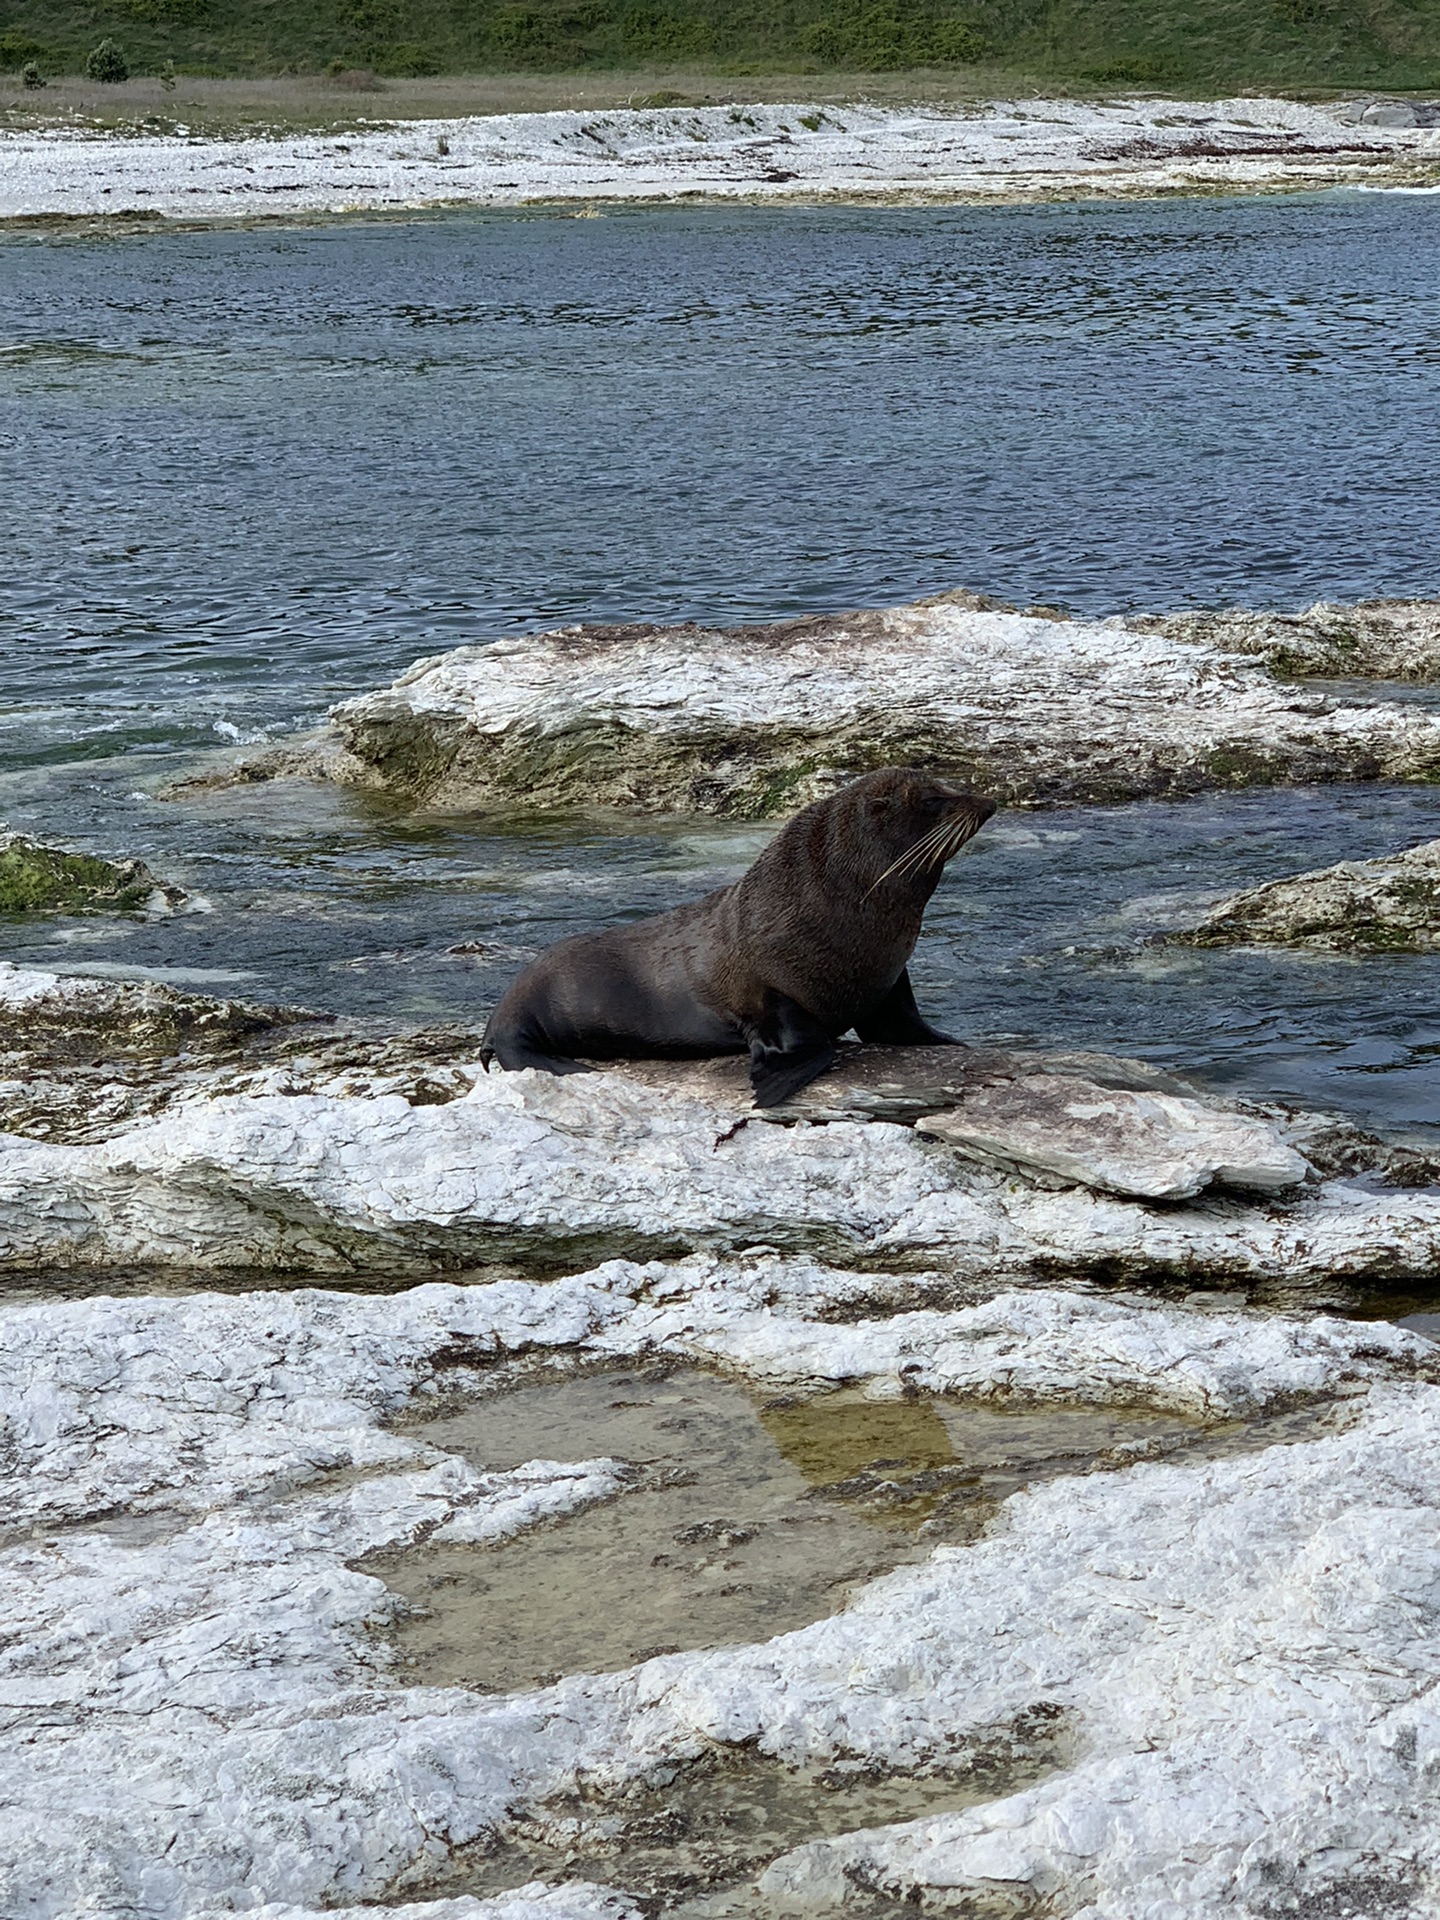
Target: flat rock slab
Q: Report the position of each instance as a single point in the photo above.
(1152, 1146)
(901, 1084)
(1389, 905)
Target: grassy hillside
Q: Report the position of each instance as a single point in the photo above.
(1188, 45)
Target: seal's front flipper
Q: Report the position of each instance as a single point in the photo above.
(788, 1049)
(896, 1021)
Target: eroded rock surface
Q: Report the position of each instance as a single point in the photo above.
(51, 1017)
(754, 721)
(193, 1699)
(559, 1172)
(1374, 640)
(1389, 905)
(326, 1152)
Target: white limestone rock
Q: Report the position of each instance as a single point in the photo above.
(1389, 905)
(1153, 1146)
(178, 1406)
(775, 1321)
(753, 721)
(577, 1900)
(531, 1168)
(988, 151)
(1237, 1654)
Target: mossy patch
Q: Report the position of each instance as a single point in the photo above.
(36, 878)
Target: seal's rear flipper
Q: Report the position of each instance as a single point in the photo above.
(896, 1021)
(788, 1049)
(517, 1051)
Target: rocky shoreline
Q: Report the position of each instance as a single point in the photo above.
(998, 151)
(204, 1490)
(1167, 1647)
(198, 1696)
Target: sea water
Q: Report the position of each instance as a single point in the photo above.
(249, 471)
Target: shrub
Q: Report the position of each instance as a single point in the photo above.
(1135, 72)
(410, 60)
(163, 13)
(893, 34)
(106, 62)
(19, 50)
(31, 75)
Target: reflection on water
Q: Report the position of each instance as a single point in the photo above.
(751, 1519)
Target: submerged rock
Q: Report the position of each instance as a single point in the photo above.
(753, 721)
(1151, 1145)
(36, 877)
(1389, 905)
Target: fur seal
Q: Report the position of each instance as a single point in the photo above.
(811, 942)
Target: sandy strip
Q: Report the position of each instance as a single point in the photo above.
(1028, 150)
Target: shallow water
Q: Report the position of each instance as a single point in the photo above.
(249, 472)
(756, 1515)
(692, 1842)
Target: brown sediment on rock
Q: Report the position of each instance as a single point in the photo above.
(61, 1018)
(1388, 905)
(751, 722)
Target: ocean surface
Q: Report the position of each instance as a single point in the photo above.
(247, 472)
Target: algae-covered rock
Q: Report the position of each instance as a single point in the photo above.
(38, 878)
(1389, 905)
(1374, 640)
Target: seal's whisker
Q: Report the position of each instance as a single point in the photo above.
(916, 855)
(960, 832)
(936, 843)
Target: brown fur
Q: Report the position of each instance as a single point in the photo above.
(811, 942)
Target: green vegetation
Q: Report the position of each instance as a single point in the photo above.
(1186, 45)
(35, 878)
(106, 62)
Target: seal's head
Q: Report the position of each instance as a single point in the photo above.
(915, 824)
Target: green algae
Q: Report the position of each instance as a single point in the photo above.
(37, 878)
